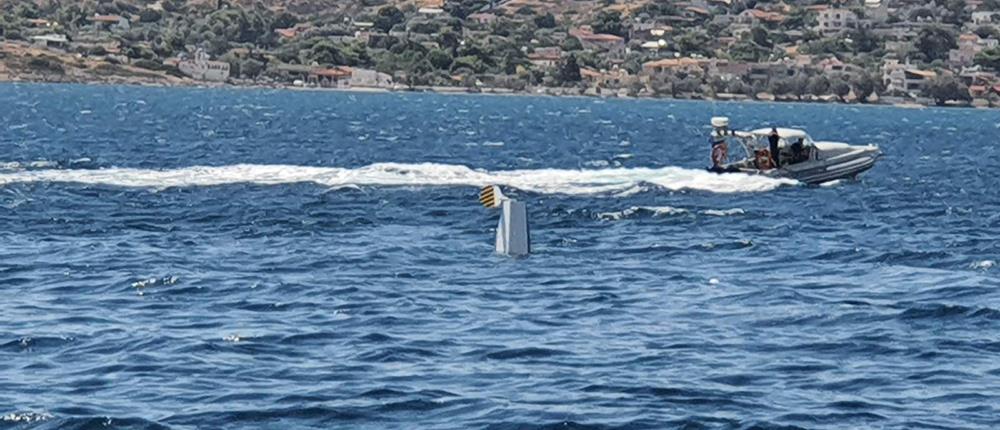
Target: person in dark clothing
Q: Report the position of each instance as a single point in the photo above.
(798, 151)
(773, 139)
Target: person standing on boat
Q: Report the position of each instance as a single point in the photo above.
(773, 139)
(720, 149)
(720, 154)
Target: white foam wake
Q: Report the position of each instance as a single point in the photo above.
(549, 181)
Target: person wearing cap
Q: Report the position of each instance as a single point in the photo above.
(773, 140)
(720, 154)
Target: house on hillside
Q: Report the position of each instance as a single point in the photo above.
(763, 73)
(613, 45)
(202, 68)
(833, 21)
(51, 41)
(674, 65)
(483, 18)
(41, 23)
(115, 23)
(984, 17)
(615, 78)
(904, 78)
(365, 78)
(331, 77)
(969, 45)
(546, 58)
(759, 17)
(833, 66)
(727, 70)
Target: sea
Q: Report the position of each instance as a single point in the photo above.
(274, 259)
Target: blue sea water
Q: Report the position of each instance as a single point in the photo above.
(221, 259)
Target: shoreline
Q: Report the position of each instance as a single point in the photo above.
(186, 83)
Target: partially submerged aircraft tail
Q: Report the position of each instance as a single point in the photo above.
(513, 236)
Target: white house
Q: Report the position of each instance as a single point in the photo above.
(50, 41)
(200, 67)
(983, 17)
(832, 21)
(370, 79)
(903, 78)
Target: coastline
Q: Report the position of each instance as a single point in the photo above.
(22, 63)
(459, 91)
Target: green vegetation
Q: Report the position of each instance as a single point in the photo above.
(480, 42)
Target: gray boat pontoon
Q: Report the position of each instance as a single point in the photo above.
(800, 157)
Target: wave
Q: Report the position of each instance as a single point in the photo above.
(634, 210)
(723, 212)
(543, 181)
(658, 211)
(943, 311)
(524, 353)
(26, 417)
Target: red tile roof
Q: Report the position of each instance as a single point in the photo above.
(288, 33)
(334, 72)
(105, 18)
(600, 38)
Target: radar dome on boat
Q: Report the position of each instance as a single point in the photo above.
(720, 121)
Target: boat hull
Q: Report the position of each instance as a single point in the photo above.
(841, 162)
(847, 166)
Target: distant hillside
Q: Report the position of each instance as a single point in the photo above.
(829, 50)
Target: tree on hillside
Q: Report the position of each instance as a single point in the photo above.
(569, 70)
(323, 52)
(799, 18)
(449, 40)
(284, 20)
(986, 31)
(819, 85)
(989, 58)
(864, 85)
(840, 88)
(693, 42)
(946, 88)
(955, 12)
(864, 40)
(545, 21)
(439, 59)
(388, 17)
(463, 8)
(150, 15)
(745, 50)
(571, 44)
(760, 37)
(935, 42)
(609, 22)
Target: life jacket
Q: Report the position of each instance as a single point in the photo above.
(763, 159)
(720, 154)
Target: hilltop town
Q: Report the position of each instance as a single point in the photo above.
(942, 52)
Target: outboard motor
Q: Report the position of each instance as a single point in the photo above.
(720, 125)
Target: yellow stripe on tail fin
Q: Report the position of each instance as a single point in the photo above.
(490, 196)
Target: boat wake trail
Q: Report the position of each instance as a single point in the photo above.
(544, 181)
